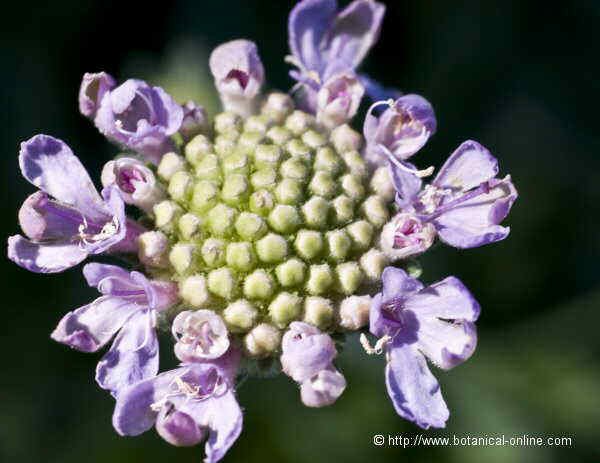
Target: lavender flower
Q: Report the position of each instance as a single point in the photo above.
(140, 117)
(63, 231)
(136, 182)
(239, 75)
(186, 405)
(195, 121)
(401, 131)
(338, 99)
(93, 88)
(463, 205)
(200, 335)
(307, 356)
(128, 306)
(322, 39)
(415, 322)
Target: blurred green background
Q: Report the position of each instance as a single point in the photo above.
(519, 76)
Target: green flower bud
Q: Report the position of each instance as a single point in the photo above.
(318, 311)
(180, 186)
(235, 189)
(205, 196)
(193, 291)
(279, 135)
(250, 226)
(285, 308)
(323, 184)
(197, 148)
(265, 178)
(375, 211)
(240, 316)
(223, 283)
(356, 164)
(261, 202)
(288, 191)
(241, 256)
(320, 279)
(295, 169)
(182, 257)
(316, 212)
(259, 285)
(343, 208)
(213, 252)
(153, 247)
(381, 184)
(272, 248)
(267, 156)
(284, 219)
(297, 149)
(257, 123)
(344, 138)
(221, 219)
(338, 245)
(308, 244)
(189, 225)
(328, 160)
(349, 277)
(166, 214)
(226, 144)
(278, 106)
(208, 168)
(262, 340)
(354, 312)
(250, 140)
(313, 139)
(291, 273)
(169, 164)
(299, 122)
(352, 186)
(236, 163)
(372, 263)
(361, 233)
(227, 121)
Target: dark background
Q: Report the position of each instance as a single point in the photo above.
(519, 76)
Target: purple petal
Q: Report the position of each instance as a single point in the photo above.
(355, 31)
(408, 185)
(469, 166)
(50, 165)
(377, 92)
(414, 391)
(44, 258)
(93, 88)
(90, 327)
(43, 219)
(305, 351)
(133, 356)
(309, 23)
(397, 283)
(446, 344)
(448, 299)
(133, 414)
(178, 428)
(323, 389)
(108, 278)
(476, 222)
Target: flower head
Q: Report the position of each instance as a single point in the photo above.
(128, 306)
(140, 117)
(436, 322)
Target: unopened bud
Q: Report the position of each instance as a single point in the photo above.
(354, 312)
(169, 164)
(262, 340)
(240, 316)
(193, 291)
(291, 273)
(320, 279)
(272, 248)
(285, 308)
(223, 283)
(308, 244)
(153, 248)
(318, 311)
(259, 285)
(349, 277)
(345, 138)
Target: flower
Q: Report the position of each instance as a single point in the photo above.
(195, 121)
(185, 405)
(414, 322)
(136, 182)
(140, 117)
(128, 306)
(93, 88)
(463, 205)
(401, 131)
(63, 231)
(321, 38)
(307, 356)
(200, 335)
(239, 75)
(338, 99)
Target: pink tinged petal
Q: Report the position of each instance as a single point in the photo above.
(309, 23)
(338, 99)
(355, 31)
(448, 299)
(90, 327)
(178, 428)
(470, 165)
(323, 389)
(306, 351)
(200, 335)
(50, 165)
(44, 258)
(93, 88)
(445, 343)
(476, 222)
(134, 414)
(132, 357)
(414, 391)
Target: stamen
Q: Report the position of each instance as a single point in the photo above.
(109, 229)
(379, 345)
(419, 173)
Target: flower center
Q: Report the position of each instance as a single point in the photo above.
(141, 108)
(91, 234)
